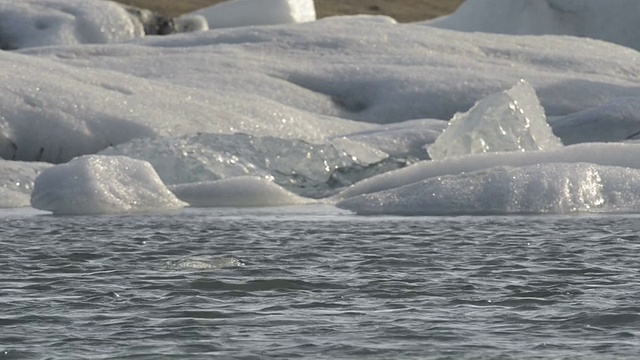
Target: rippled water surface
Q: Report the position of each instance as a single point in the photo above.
(314, 282)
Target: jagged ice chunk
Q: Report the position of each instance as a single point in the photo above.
(512, 120)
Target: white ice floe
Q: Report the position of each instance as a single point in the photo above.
(612, 20)
(243, 191)
(95, 184)
(512, 120)
(234, 13)
(551, 188)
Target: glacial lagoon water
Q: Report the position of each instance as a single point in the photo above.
(317, 282)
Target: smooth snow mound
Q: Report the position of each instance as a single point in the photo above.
(93, 184)
(612, 20)
(235, 13)
(242, 191)
(554, 188)
(512, 120)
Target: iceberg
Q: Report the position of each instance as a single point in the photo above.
(272, 81)
(94, 184)
(242, 191)
(584, 18)
(553, 188)
(327, 110)
(512, 120)
(235, 13)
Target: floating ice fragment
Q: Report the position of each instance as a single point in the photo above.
(512, 120)
(199, 263)
(95, 184)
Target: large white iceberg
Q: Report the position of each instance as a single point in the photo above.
(235, 13)
(553, 188)
(612, 20)
(512, 120)
(95, 184)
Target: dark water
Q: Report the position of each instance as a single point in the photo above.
(317, 283)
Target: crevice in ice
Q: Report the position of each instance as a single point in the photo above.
(345, 96)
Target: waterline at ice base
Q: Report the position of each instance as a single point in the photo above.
(358, 112)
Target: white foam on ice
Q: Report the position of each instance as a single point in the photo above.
(243, 191)
(551, 188)
(512, 120)
(235, 13)
(613, 20)
(95, 184)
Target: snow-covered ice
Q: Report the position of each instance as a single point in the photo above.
(94, 184)
(234, 13)
(316, 106)
(512, 120)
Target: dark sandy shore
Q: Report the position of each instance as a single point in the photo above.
(401, 10)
